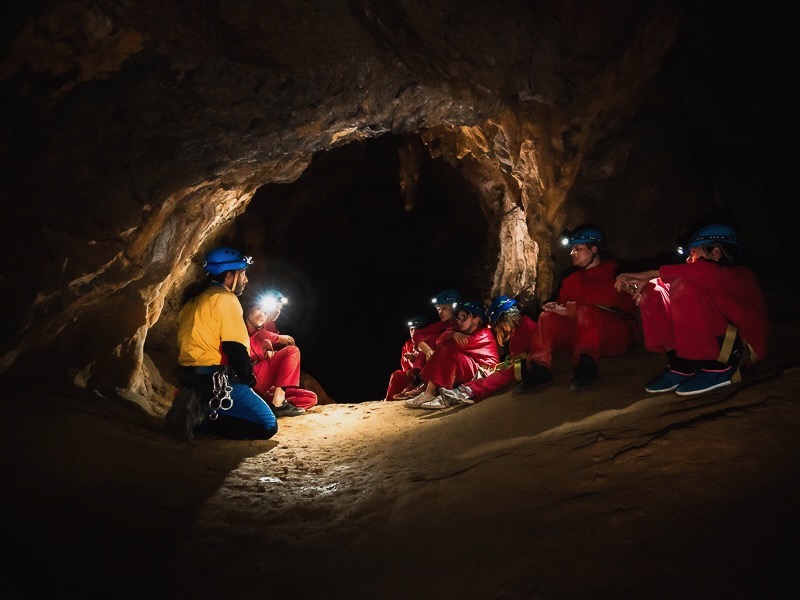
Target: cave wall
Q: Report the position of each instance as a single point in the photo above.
(138, 133)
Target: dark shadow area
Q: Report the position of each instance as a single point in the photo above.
(355, 264)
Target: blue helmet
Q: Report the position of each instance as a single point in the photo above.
(474, 308)
(447, 296)
(499, 306)
(417, 321)
(712, 234)
(224, 259)
(590, 236)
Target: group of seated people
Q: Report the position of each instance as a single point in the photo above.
(707, 316)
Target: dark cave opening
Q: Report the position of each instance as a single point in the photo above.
(355, 264)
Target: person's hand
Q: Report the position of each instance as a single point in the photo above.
(633, 283)
(410, 356)
(286, 339)
(560, 309)
(460, 338)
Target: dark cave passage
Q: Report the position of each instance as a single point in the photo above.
(355, 264)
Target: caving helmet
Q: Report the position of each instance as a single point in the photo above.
(448, 296)
(224, 259)
(713, 234)
(499, 306)
(474, 308)
(417, 321)
(591, 236)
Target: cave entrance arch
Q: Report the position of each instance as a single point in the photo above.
(356, 263)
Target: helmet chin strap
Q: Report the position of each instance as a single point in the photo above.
(589, 264)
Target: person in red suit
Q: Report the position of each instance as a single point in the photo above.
(514, 333)
(708, 315)
(406, 377)
(589, 318)
(460, 355)
(404, 384)
(276, 358)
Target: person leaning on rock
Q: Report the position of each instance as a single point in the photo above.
(589, 318)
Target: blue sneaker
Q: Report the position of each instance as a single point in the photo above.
(667, 381)
(705, 381)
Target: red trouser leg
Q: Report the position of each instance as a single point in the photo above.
(491, 385)
(696, 322)
(398, 381)
(654, 307)
(282, 369)
(554, 333)
(301, 397)
(600, 332)
(448, 367)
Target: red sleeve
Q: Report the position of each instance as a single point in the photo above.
(428, 334)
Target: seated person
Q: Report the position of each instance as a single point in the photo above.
(276, 358)
(460, 355)
(708, 315)
(590, 317)
(514, 333)
(424, 340)
(407, 376)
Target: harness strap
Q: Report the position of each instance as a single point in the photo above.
(727, 347)
(514, 361)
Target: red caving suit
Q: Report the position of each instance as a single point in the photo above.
(400, 379)
(691, 305)
(281, 369)
(519, 343)
(589, 327)
(453, 364)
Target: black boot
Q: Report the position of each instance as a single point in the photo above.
(185, 415)
(585, 373)
(535, 375)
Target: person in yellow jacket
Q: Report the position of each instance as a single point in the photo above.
(216, 375)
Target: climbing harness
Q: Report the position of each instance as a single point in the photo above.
(221, 398)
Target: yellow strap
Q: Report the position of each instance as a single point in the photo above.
(748, 354)
(727, 344)
(518, 369)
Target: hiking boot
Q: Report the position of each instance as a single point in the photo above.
(287, 409)
(585, 373)
(667, 381)
(185, 415)
(418, 401)
(459, 395)
(704, 381)
(536, 375)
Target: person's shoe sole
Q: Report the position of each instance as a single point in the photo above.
(704, 390)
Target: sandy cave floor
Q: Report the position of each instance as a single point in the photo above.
(605, 493)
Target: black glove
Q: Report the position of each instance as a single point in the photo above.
(239, 362)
